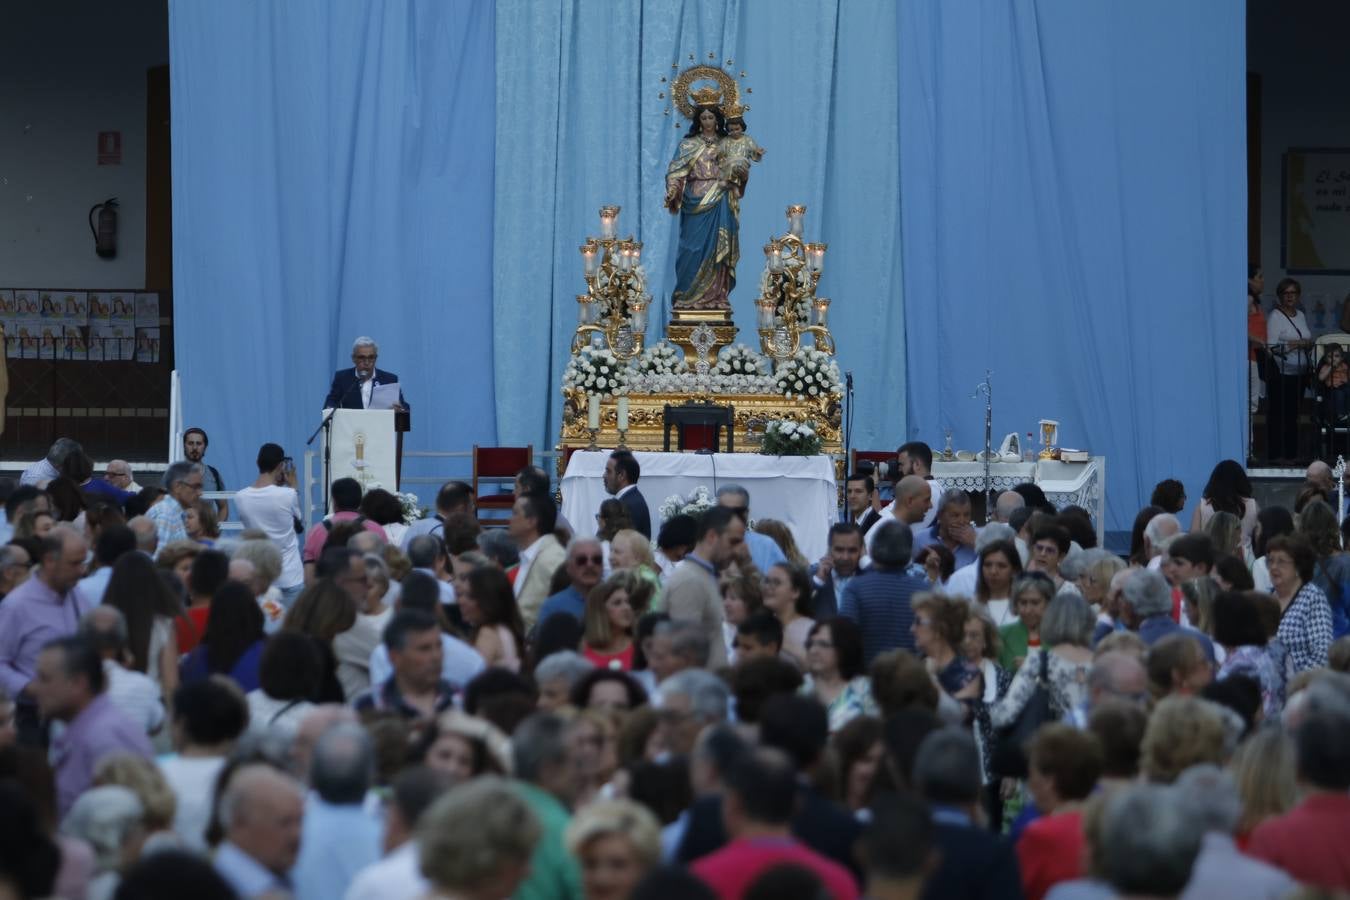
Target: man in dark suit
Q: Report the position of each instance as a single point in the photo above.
(621, 478)
(836, 569)
(353, 388)
(973, 862)
(859, 493)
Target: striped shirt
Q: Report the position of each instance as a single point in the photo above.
(878, 600)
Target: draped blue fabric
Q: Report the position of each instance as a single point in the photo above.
(332, 177)
(1073, 178)
(581, 124)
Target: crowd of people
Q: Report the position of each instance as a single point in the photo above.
(379, 708)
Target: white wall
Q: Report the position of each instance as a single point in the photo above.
(1299, 50)
(68, 70)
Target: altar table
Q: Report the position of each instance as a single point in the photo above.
(1065, 484)
(797, 490)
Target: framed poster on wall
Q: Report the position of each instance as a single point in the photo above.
(1315, 215)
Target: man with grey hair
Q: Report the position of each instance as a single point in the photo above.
(556, 675)
(147, 535)
(674, 647)
(427, 554)
(261, 812)
(338, 837)
(48, 468)
(879, 599)
(545, 760)
(1146, 607)
(764, 550)
(353, 388)
(1149, 841)
(952, 528)
(136, 694)
(963, 580)
(183, 481)
(973, 862)
(584, 566)
(1221, 870)
(120, 476)
(691, 700)
(1159, 533)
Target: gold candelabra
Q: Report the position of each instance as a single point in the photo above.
(614, 308)
(788, 307)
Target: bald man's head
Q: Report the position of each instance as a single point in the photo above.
(1008, 501)
(913, 499)
(261, 812)
(1319, 473)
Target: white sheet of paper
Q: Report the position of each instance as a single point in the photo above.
(384, 396)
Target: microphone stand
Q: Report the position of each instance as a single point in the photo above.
(325, 427)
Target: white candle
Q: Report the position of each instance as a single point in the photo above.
(593, 412)
(623, 413)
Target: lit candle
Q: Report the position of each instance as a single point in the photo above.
(820, 309)
(588, 251)
(638, 310)
(584, 309)
(815, 256)
(765, 307)
(637, 253)
(623, 413)
(775, 256)
(609, 219)
(593, 412)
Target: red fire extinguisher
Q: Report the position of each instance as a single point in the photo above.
(105, 233)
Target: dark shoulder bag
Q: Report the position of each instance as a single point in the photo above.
(1010, 756)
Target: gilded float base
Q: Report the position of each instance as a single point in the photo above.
(646, 418)
(683, 323)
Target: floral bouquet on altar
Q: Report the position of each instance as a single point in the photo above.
(783, 437)
(699, 502)
(596, 371)
(808, 373)
(661, 359)
(739, 359)
(411, 508)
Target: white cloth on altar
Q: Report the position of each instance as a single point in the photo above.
(797, 490)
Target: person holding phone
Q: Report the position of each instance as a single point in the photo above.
(272, 505)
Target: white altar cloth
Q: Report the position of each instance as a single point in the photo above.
(1065, 484)
(797, 490)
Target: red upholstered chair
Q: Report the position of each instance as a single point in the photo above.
(876, 457)
(496, 468)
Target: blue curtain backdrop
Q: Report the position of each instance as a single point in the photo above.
(1073, 183)
(332, 177)
(580, 124)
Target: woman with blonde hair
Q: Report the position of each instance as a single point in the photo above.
(782, 536)
(1266, 774)
(158, 801)
(612, 611)
(1182, 732)
(477, 840)
(630, 550)
(1225, 529)
(616, 842)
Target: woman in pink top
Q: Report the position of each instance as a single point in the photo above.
(612, 610)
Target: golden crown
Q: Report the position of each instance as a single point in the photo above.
(708, 96)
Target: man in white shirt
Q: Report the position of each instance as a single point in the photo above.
(916, 458)
(399, 876)
(49, 468)
(963, 580)
(913, 505)
(134, 693)
(272, 506)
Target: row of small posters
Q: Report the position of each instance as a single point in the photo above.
(80, 325)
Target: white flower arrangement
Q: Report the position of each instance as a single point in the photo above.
(596, 371)
(694, 383)
(808, 373)
(784, 437)
(741, 359)
(662, 358)
(411, 507)
(697, 503)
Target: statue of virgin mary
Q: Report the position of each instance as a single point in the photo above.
(708, 204)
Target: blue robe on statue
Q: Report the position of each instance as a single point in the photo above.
(709, 247)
